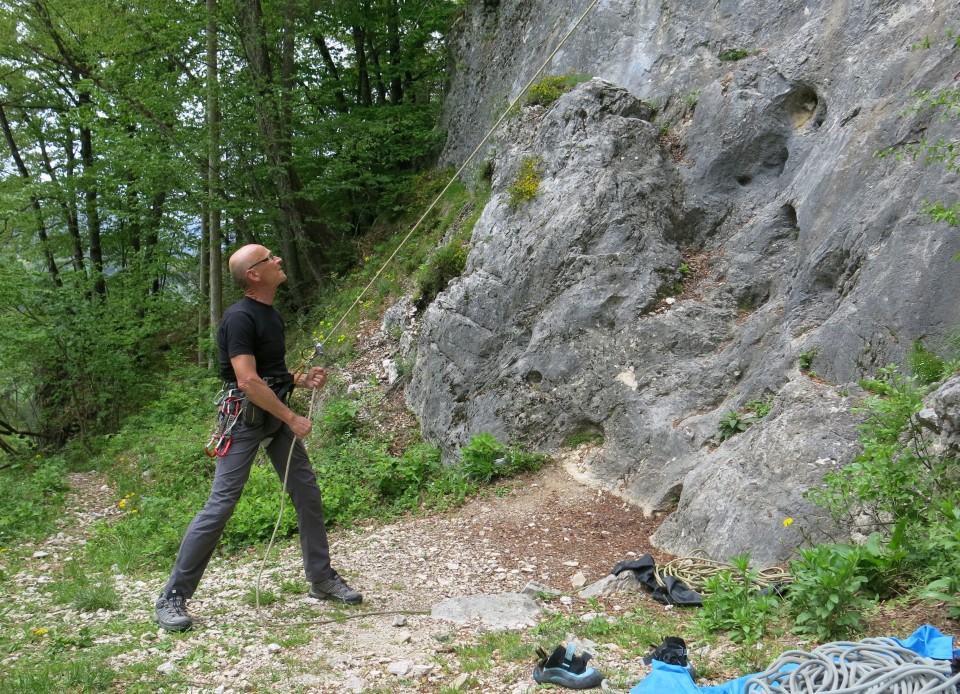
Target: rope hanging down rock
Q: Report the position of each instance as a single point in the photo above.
(870, 666)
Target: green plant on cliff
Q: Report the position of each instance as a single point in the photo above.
(944, 151)
(552, 87)
(527, 182)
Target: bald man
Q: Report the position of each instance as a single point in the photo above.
(252, 351)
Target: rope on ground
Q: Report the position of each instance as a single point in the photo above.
(870, 666)
(694, 570)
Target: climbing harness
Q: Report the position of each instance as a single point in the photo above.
(870, 666)
(229, 402)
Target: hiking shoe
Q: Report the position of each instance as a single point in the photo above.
(171, 613)
(335, 589)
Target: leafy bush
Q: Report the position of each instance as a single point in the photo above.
(434, 276)
(339, 416)
(925, 365)
(825, 596)
(551, 88)
(733, 423)
(484, 459)
(894, 477)
(527, 181)
(734, 54)
(732, 604)
(33, 497)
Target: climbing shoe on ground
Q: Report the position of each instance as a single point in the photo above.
(171, 613)
(672, 651)
(566, 668)
(335, 589)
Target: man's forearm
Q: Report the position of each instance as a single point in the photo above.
(262, 395)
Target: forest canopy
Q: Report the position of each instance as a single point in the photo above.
(145, 139)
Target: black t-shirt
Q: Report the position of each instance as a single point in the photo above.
(250, 327)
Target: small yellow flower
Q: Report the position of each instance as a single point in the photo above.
(39, 631)
(787, 522)
(134, 511)
(122, 503)
(38, 456)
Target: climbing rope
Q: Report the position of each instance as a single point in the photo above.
(333, 330)
(695, 570)
(870, 666)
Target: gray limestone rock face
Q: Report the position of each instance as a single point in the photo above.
(677, 266)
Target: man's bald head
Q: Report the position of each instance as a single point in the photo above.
(242, 259)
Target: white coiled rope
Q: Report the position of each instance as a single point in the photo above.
(870, 666)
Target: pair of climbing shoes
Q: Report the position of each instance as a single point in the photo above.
(566, 668)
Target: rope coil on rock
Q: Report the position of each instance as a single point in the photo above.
(870, 666)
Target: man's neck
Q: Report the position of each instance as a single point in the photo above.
(264, 295)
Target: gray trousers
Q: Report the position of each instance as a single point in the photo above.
(233, 470)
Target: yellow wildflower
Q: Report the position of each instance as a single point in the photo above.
(39, 631)
(122, 503)
(787, 522)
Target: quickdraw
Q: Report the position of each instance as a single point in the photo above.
(229, 406)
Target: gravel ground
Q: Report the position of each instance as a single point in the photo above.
(550, 528)
(547, 528)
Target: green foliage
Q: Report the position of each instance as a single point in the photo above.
(825, 596)
(256, 513)
(806, 359)
(339, 416)
(590, 436)
(551, 88)
(33, 496)
(734, 54)
(927, 366)
(443, 266)
(527, 181)
(939, 552)
(943, 151)
(732, 604)
(733, 423)
(894, 476)
(71, 672)
(760, 408)
(484, 459)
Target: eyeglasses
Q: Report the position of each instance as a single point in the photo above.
(269, 257)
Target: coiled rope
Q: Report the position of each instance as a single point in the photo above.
(695, 570)
(870, 666)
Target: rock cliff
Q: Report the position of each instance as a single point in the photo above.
(713, 227)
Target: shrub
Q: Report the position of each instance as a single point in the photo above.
(925, 365)
(551, 88)
(527, 182)
(732, 604)
(733, 423)
(825, 596)
(734, 54)
(434, 276)
(484, 459)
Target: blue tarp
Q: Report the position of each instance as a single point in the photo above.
(926, 641)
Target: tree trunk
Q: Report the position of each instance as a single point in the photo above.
(34, 201)
(214, 202)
